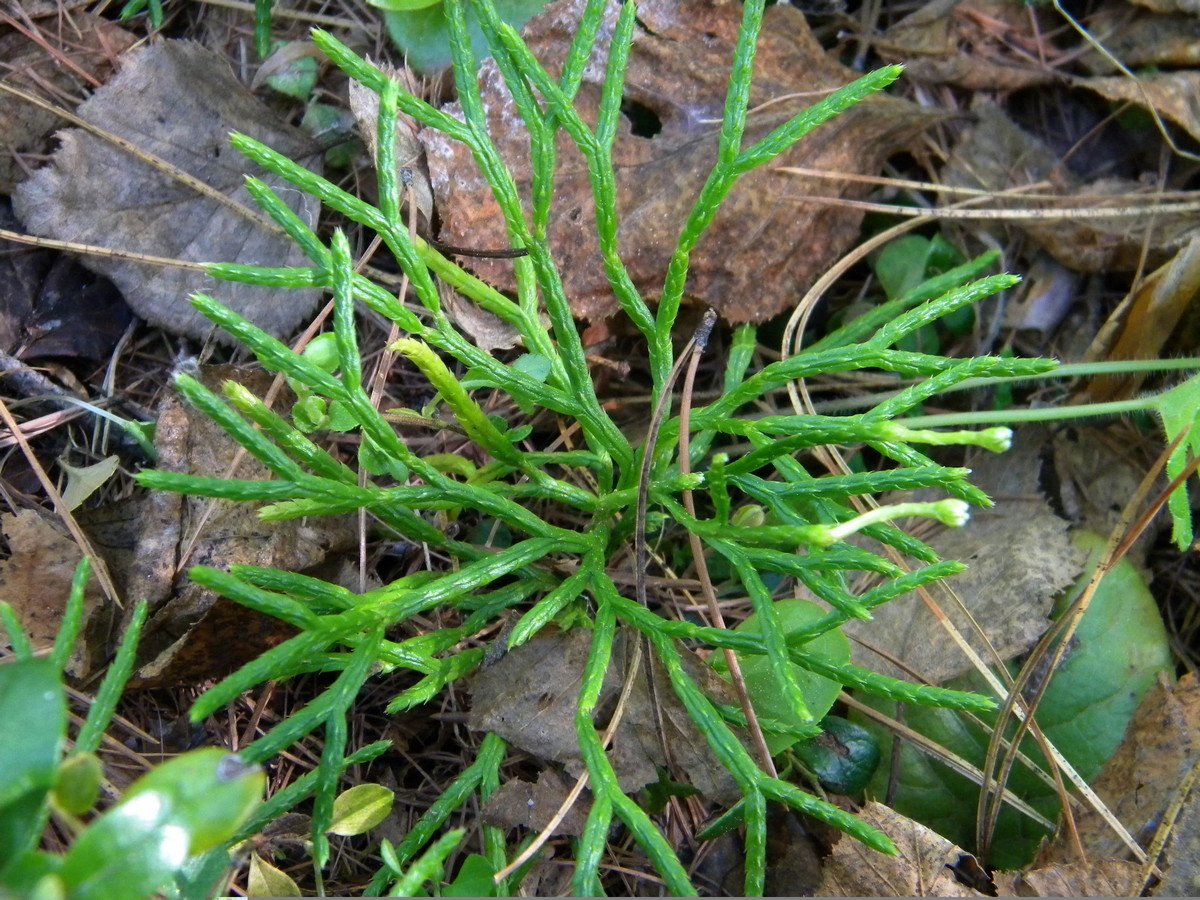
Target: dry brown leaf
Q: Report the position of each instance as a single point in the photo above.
(767, 245)
(1160, 747)
(1145, 321)
(178, 101)
(193, 634)
(981, 45)
(36, 581)
(922, 867)
(519, 803)
(1170, 94)
(1020, 558)
(84, 46)
(1139, 40)
(996, 155)
(530, 697)
(1095, 878)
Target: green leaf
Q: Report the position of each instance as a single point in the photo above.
(34, 715)
(424, 34)
(1179, 409)
(474, 879)
(361, 808)
(176, 811)
(298, 77)
(819, 693)
(1120, 647)
(265, 880)
(535, 365)
(78, 784)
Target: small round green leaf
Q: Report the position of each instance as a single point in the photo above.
(361, 808)
(843, 757)
(78, 784)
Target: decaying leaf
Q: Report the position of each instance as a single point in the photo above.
(1020, 558)
(519, 803)
(36, 580)
(179, 102)
(979, 45)
(996, 155)
(767, 243)
(1094, 878)
(73, 53)
(922, 867)
(193, 634)
(530, 697)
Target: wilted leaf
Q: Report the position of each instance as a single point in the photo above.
(83, 481)
(193, 634)
(922, 867)
(748, 265)
(36, 580)
(359, 809)
(265, 880)
(530, 697)
(178, 101)
(1171, 95)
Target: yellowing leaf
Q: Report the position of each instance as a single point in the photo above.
(361, 808)
(267, 881)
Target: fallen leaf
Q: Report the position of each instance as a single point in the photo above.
(768, 242)
(1180, 863)
(530, 697)
(178, 101)
(1171, 95)
(996, 155)
(1020, 558)
(1095, 878)
(984, 45)
(36, 580)
(921, 868)
(71, 54)
(83, 481)
(518, 803)
(1160, 747)
(193, 634)
(1141, 40)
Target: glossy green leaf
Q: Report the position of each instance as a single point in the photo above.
(78, 783)
(176, 811)
(1119, 649)
(361, 808)
(843, 757)
(819, 693)
(33, 715)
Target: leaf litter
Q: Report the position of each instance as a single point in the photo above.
(768, 243)
(177, 101)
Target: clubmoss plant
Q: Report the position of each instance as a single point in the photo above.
(807, 518)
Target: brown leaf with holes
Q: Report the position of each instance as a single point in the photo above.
(192, 633)
(36, 581)
(66, 56)
(530, 698)
(769, 241)
(177, 101)
(921, 868)
(982, 45)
